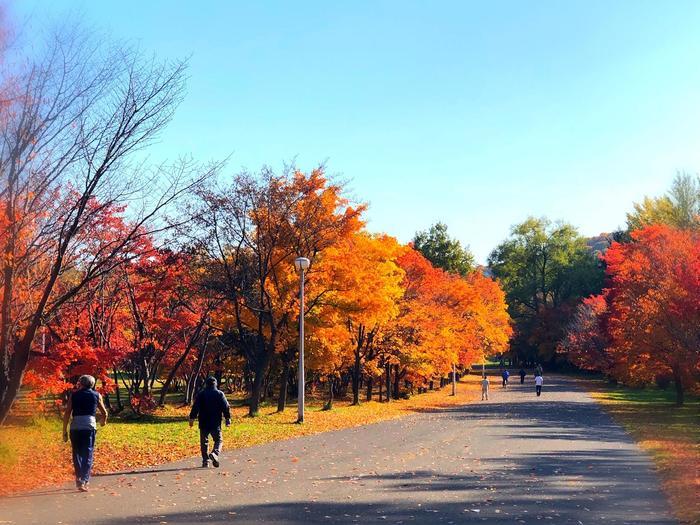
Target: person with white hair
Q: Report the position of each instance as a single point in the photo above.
(81, 413)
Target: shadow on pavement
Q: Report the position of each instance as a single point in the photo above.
(144, 471)
(527, 512)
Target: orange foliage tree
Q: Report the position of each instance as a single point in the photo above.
(361, 280)
(446, 320)
(251, 232)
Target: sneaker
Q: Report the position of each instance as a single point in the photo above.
(78, 483)
(214, 459)
(83, 487)
(205, 464)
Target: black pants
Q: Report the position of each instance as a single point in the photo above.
(538, 389)
(522, 379)
(204, 434)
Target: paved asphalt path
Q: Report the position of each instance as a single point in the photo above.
(514, 459)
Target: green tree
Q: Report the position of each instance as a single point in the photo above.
(545, 269)
(679, 208)
(443, 251)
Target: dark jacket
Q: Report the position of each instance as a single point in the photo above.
(209, 406)
(84, 402)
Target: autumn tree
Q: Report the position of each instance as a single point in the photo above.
(73, 116)
(586, 341)
(361, 280)
(445, 320)
(654, 306)
(443, 251)
(251, 231)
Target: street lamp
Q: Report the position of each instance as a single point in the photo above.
(301, 264)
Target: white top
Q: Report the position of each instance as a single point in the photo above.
(485, 384)
(539, 380)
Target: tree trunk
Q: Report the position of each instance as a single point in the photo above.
(117, 392)
(397, 384)
(192, 384)
(356, 379)
(370, 381)
(680, 395)
(284, 385)
(171, 375)
(388, 383)
(11, 385)
(261, 366)
(329, 401)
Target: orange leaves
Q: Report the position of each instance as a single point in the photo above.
(447, 319)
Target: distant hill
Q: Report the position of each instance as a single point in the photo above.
(599, 243)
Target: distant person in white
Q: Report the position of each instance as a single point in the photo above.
(538, 385)
(485, 388)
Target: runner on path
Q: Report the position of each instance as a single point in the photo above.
(538, 385)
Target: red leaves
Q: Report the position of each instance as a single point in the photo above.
(647, 321)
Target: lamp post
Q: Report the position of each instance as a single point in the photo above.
(301, 264)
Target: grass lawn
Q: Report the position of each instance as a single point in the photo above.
(670, 434)
(126, 444)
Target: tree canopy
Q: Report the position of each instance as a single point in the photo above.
(544, 268)
(443, 251)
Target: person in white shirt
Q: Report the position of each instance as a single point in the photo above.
(538, 385)
(485, 388)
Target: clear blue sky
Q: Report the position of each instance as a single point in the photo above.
(477, 114)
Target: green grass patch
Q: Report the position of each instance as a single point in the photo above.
(671, 434)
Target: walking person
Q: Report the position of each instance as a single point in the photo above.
(485, 388)
(208, 408)
(538, 385)
(81, 413)
(505, 375)
(522, 375)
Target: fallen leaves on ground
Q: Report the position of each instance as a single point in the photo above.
(33, 455)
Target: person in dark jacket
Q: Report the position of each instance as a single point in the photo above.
(81, 412)
(209, 407)
(522, 375)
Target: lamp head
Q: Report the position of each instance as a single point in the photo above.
(301, 263)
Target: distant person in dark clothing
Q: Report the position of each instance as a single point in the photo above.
(81, 413)
(209, 407)
(505, 375)
(522, 375)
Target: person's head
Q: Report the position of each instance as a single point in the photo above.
(86, 382)
(210, 382)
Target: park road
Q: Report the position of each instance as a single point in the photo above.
(514, 459)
